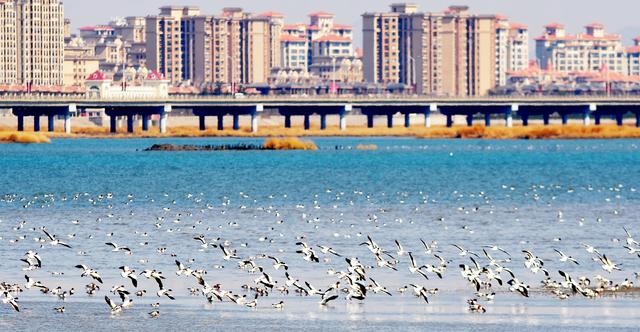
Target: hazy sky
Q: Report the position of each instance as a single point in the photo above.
(619, 16)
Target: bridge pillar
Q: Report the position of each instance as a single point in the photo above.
(163, 119)
(369, 120)
(586, 116)
(145, 122)
(525, 119)
(202, 122)
(545, 118)
(619, 118)
(487, 119)
(254, 118)
(130, 123)
(221, 122)
(509, 115)
(51, 122)
(469, 120)
(236, 122)
(20, 122)
(407, 120)
(427, 115)
(597, 119)
(36, 122)
(449, 120)
(307, 122)
(67, 123)
(287, 121)
(389, 120)
(323, 121)
(343, 116)
(565, 118)
(67, 118)
(113, 121)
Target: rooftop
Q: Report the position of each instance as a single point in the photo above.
(332, 38)
(321, 14)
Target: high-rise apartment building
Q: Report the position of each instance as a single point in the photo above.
(235, 47)
(512, 48)
(169, 42)
(328, 46)
(633, 58)
(32, 42)
(451, 53)
(591, 51)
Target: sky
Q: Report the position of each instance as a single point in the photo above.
(618, 16)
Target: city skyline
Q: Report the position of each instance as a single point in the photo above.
(574, 14)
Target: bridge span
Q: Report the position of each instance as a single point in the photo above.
(508, 108)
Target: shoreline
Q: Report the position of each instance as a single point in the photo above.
(535, 132)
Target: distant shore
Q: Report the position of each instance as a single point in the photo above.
(457, 132)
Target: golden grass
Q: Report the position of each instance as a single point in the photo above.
(479, 132)
(23, 137)
(535, 132)
(367, 147)
(289, 143)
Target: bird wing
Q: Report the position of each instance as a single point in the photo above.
(109, 302)
(159, 281)
(413, 261)
(48, 235)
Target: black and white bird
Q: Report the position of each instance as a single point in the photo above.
(564, 258)
(117, 248)
(33, 260)
(127, 272)
(89, 272)
(115, 308)
(55, 241)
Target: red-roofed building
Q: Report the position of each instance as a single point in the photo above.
(154, 75)
(321, 14)
(97, 76)
(271, 14)
(322, 38)
(582, 52)
(295, 50)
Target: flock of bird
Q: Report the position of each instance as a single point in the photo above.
(490, 270)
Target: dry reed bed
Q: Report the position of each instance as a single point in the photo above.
(289, 143)
(23, 137)
(497, 132)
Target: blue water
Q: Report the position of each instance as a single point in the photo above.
(467, 192)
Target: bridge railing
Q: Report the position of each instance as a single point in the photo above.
(41, 97)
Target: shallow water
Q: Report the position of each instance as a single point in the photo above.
(466, 192)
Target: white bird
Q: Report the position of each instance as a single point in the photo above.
(565, 258)
(607, 264)
(165, 292)
(119, 248)
(115, 308)
(89, 272)
(55, 241)
(400, 251)
(127, 272)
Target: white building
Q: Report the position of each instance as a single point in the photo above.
(633, 58)
(31, 42)
(585, 52)
(153, 86)
(512, 48)
(324, 39)
(295, 52)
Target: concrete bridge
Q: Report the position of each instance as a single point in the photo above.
(507, 108)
